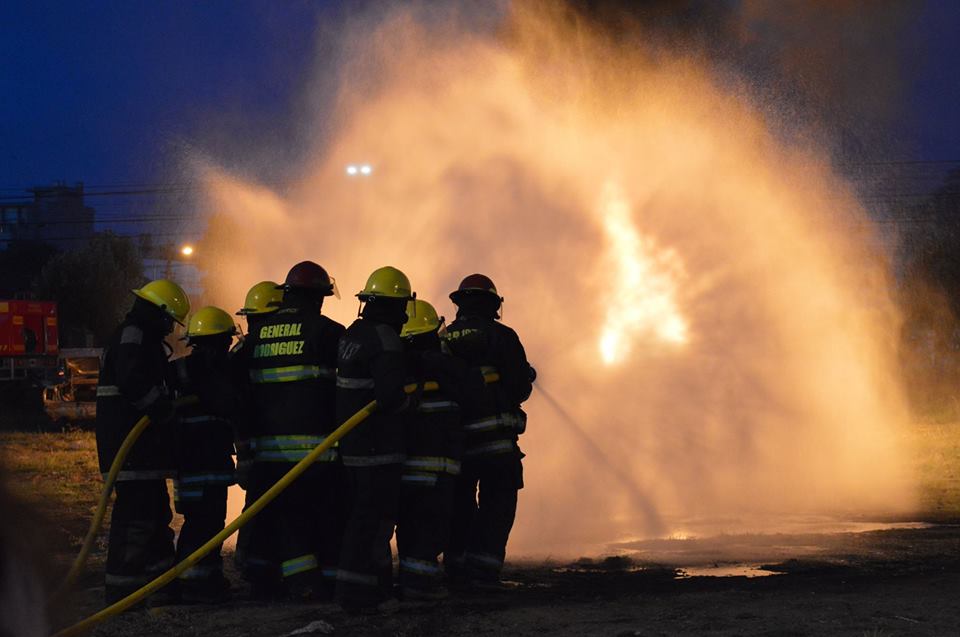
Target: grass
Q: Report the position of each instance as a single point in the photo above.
(58, 474)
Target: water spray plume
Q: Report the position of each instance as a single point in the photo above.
(707, 300)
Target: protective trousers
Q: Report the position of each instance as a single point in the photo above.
(295, 540)
(485, 505)
(365, 576)
(423, 528)
(204, 509)
(141, 541)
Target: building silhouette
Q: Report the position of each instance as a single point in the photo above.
(56, 215)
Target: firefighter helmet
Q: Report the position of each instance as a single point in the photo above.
(422, 319)
(208, 321)
(168, 296)
(387, 282)
(473, 285)
(307, 275)
(262, 298)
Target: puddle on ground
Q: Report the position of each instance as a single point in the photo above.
(726, 570)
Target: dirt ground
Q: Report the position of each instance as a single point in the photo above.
(819, 578)
(894, 582)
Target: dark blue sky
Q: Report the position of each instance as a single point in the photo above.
(104, 92)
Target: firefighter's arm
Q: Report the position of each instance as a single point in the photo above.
(135, 382)
(516, 375)
(389, 373)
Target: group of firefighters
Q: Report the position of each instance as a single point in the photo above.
(440, 468)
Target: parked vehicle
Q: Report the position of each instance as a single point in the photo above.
(29, 341)
(74, 399)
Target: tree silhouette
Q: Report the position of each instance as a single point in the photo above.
(92, 286)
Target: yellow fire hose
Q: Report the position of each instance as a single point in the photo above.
(77, 567)
(242, 519)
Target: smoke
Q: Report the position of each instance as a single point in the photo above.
(707, 302)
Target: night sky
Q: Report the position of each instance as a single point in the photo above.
(107, 92)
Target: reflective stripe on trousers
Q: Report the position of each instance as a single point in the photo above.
(434, 406)
(291, 448)
(195, 420)
(180, 494)
(495, 447)
(107, 391)
(421, 479)
(189, 487)
(223, 478)
(373, 461)
(297, 565)
(420, 567)
(289, 374)
(505, 420)
(437, 464)
(199, 571)
(484, 560)
(352, 577)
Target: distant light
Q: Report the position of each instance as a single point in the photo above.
(352, 170)
(186, 250)
(366, 169)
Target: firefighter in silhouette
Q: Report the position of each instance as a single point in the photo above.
(132, 384)
(261, 300)
(205, 448)
(371, 367)
(491, 473)
(291, 359)
(434, 445)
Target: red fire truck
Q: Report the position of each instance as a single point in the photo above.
(29, 342)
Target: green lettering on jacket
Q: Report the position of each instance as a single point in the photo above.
(283, 348)
(281, 330)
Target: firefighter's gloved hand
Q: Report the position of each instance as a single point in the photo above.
(162, 412)
(531, 373)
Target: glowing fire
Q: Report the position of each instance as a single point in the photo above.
(643, 301)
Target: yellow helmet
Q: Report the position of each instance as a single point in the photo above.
(208, 321)
(263, 298)
(168, 296)
(421, 319)
(387, 282)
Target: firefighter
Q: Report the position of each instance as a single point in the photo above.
(371, 367)
(205, 449)
(492, 457)
(291, 359)
(262, 299)
(434, 445)
(132, 384)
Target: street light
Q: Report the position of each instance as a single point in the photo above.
(173, 253)
(359, 169)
